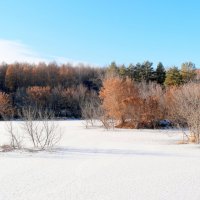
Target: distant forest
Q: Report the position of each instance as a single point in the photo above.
(64, 89)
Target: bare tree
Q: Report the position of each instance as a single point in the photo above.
(15, 138)
(154, 108)
(39, 127)
(184, 109)
(91, 109)
(30, 125)
(50, 134)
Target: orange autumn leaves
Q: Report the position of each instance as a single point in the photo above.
(5, 105)
(130, 105)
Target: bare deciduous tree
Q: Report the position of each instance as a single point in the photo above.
(51, 134)
(39, 127)
(91, 109)
(184, 108)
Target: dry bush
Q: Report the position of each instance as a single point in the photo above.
(91, 109)
(16, 139)
(153, 106)
(51, 134)
(39, 128)
(6, 148)
(184, 108)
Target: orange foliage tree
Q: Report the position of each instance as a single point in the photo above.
(39, 95)
(5, 105)
(115, 94)
(123, 101)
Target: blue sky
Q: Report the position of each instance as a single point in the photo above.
(101, 31)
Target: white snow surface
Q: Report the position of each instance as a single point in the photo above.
(99, 164)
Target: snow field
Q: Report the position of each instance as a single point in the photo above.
(96, 164)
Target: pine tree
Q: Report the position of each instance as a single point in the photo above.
(137, 73)
(160, 73)
(113, 69)
(131, 71)
(173, 77)
(122, 71)
(146, 71)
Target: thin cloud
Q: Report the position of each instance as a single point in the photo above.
(61, 60)
(15, 51)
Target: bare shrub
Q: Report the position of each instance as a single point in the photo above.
(6, 148)
(50, 134)
(30, 125)
(91, 109)
(15, 138)
(184, 108)
(154, 108)
(39, 127)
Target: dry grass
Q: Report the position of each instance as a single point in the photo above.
(6, 148)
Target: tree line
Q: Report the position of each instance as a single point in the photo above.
(66, 89)
(145, 102)
(145, 72)
(53, 87)
(130, 104)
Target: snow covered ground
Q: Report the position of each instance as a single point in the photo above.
(96, 164)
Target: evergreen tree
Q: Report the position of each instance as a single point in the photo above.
(131, 71)
(113, 69)
(137, 72)
(146, 71)
(160, 73)
(122, 71)
(173, 77)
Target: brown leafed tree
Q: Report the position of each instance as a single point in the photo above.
(132, 105)
(115, 94)
(39, 96)
(5, 105)
(11, 81)
(153, 108)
